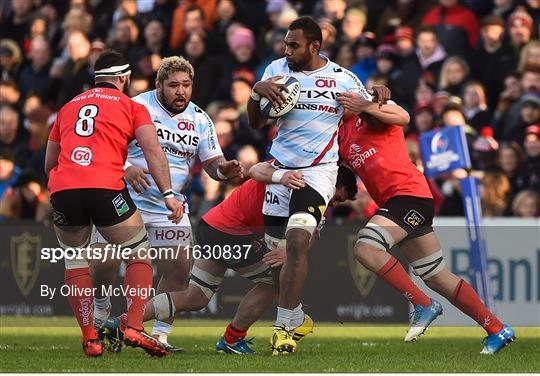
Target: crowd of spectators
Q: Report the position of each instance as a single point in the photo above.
(474, 63)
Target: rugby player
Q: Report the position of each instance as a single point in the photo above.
(84, 161)
(184, 131)
(237, 224)
(373, 145)
(306, 141)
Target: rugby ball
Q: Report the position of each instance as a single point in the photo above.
(292, 97)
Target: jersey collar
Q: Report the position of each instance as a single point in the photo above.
(106, 84)
(309, 73)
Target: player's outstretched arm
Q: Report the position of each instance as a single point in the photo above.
(388, 113)
(221, 169)
(265, 173)
(51, 156)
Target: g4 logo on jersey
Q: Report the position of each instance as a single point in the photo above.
(414, 218)
(82, 155)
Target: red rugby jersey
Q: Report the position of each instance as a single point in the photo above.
(378, 154)
(241, 212)
(94, 130)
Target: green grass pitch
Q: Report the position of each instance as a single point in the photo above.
(53, 345)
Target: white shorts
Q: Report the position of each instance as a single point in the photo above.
(322, 178)
(161, 231)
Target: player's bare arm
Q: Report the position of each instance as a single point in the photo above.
(51, 156)
(268, 89)
(221, 169)
(386, 113)
(265, 173)
(159, 168)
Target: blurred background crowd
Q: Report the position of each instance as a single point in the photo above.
(474, 63)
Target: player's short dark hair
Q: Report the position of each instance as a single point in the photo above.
(110, 58)
(346, 178)
(312, 30)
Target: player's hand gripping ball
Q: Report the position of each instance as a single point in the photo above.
(290, 90)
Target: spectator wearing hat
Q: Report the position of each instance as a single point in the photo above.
(428, 58)
(35, 77)
(485, 150)
(10, 59)
(385, 58)
(474, 105)
(529, 177)
(423, 120)
(453, 115)
(401, 14)
(492, 58)
(364, 53)
(455, 25)
(509, 126)
(240, 59)
(520, 28)
(16, 25)
(404, 41)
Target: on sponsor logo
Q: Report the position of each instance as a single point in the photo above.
(185, 125)
(322, 82)
(82, 155)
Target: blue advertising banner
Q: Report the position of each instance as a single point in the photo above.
(444, 150)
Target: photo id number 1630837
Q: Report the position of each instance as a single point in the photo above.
(218, 252)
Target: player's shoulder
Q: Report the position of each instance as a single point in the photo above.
(341, 72)
(146, 98)
(278, 66)
(199, 115)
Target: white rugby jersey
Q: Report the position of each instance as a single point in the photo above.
(181, 137)
(307, 135)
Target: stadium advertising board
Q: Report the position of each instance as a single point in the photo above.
(513, 264)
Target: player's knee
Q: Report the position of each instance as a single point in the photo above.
(376, 237)
(303, 221)
(204, 281)
(430, 268)
(175, 272)
(197, 298)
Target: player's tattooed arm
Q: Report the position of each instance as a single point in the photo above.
(389, 113)
(51, 156)
(265, 173)
(220, 169)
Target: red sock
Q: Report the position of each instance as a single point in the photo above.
(394, 274)
(139, 276)
(233, 335)
(467, 300)
(81, 303)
